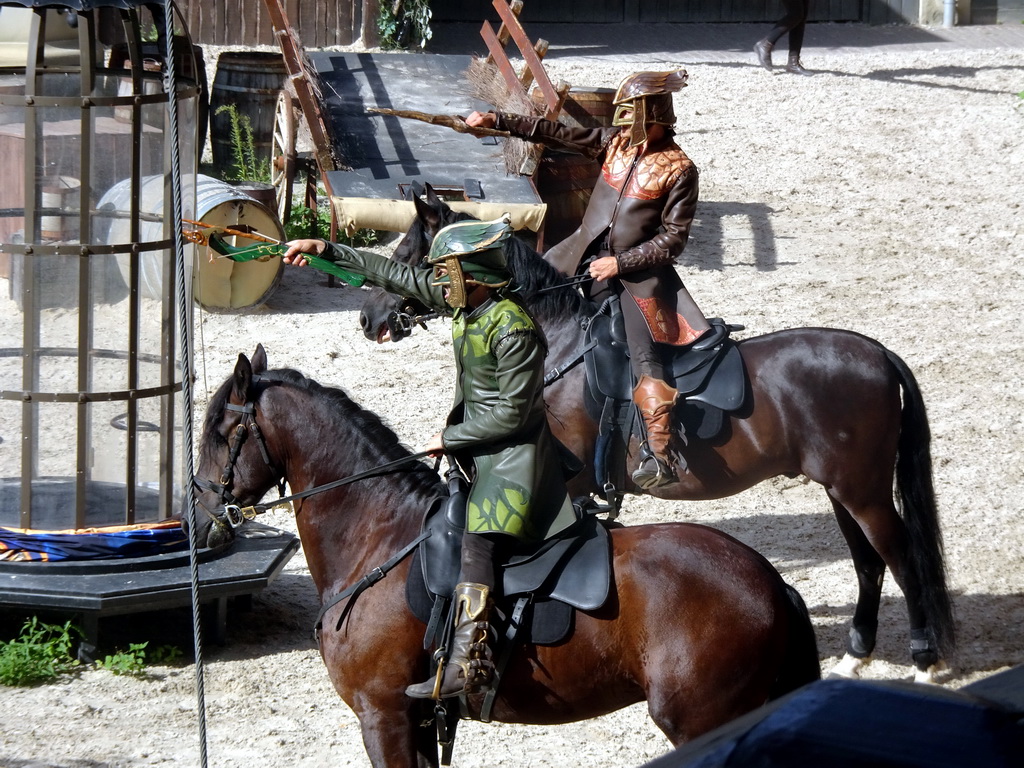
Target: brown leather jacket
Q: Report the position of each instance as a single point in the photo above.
(640, 212)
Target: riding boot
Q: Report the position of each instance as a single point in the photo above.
(763, 49)
(794, 67)
(655, 399)
(469, 667)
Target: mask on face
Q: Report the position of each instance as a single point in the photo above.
(645, 98)
(470, 253)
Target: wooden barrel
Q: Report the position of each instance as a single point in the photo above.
(589, 107)
(584, 107)
(218, 285)
(250, 81)
(565, 181)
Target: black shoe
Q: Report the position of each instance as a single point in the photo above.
(794, 67)
(653, 473)
(763, 49)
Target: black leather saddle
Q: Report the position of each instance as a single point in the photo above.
(570, 571)
(709, 374)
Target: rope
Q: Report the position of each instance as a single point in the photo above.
(171, 87)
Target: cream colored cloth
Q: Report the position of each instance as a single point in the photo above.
(356, 213)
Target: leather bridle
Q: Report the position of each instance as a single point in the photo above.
(247, 426)
(234, 514)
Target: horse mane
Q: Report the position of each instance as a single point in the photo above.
(541, 287)
(544, 289)
(381, 441)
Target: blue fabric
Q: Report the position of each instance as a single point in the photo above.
(851, 724)
(52, 547)
(79, 5)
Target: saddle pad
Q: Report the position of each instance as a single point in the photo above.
(719, 380)
(550, 621)
(575, 570)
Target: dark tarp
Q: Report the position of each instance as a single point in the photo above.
(853, 723)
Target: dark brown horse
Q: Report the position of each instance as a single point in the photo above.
(697, 624)
(825, 403)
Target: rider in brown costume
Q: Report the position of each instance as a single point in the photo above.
(636, 224)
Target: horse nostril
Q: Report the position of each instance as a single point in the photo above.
(364, 321)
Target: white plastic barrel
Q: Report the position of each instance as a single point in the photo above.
(220, 284)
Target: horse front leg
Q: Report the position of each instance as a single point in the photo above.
(397, 739)
(370, 660)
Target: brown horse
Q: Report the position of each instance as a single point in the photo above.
(697, 624)
(824, 403)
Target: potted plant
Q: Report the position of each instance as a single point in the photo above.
(249, 171)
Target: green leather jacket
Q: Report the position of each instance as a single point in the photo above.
(497, 428)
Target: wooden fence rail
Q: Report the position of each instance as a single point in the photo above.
(319, 23)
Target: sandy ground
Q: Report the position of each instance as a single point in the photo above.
(882, 195)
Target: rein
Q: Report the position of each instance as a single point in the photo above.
(235, 512)
(570, 282)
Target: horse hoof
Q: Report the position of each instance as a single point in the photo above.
(849, 668)
(930, 676)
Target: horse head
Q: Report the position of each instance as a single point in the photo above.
(384, 316)
(549, 295)
(232, 449)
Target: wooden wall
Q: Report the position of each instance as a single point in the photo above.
(322, 23)
(319, 23)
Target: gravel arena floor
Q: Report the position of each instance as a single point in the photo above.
(881, 195)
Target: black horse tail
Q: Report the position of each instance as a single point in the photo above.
(801, 665)
(916, 499)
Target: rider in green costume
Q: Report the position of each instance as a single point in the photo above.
(497, 429)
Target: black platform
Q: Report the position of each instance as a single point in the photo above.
(92, 589)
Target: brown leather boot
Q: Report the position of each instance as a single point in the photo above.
(469, 666)
(794, 66)
(655, 399)
(763, 49)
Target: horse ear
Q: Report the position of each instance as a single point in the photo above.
(434, 200)
(242, 379)
(259, 360)
(426, 211)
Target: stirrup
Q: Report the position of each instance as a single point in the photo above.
(653, 473)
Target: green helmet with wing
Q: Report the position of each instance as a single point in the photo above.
(470, 253)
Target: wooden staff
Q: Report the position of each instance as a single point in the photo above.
(455, 122)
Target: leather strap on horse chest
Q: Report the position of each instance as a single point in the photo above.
(363, 584)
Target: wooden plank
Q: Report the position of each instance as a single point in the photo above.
(497, 54)
(515, 7)
(529, 55)
(247, 25)
(526, 79)
(324, 149)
